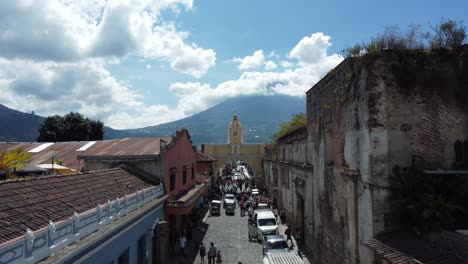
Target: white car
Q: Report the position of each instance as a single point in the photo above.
(229, 197)
(263, 223)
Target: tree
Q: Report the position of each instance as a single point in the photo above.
(71, 127)
(298, 121)
(448, 35)
(13, 159)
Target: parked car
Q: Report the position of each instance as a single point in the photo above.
(274, 243)
(261, 224)
(230, 207)
(229, 197)
(282, 257)
(215, 207)
(263, 206)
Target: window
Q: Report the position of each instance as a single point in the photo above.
(193, 173)
(184, 176)
(124, 257)
(142, 249)
(172, 182)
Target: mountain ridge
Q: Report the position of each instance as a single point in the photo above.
(260, 117)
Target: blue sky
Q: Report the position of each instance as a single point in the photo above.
(140, 63)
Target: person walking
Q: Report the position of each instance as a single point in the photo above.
(182, 241)
(212, 253)
(288, 234)
(283, 216)
(275, 213)
(219, 259)
(241, 205)
(202, 252)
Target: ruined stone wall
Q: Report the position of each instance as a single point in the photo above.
(336, 112)
(366, 116)
(286, 168)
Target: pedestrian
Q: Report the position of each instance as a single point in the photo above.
(288, 234)
(212, 253)
(250, 212)
(241, 205)
(202, 252)
(275, 212)
(182, 241)
(298, 235)
(219, 259)
(283, 216)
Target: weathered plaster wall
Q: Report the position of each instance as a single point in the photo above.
(286, 168)
(365, 117)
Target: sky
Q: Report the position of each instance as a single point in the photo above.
(139, 63)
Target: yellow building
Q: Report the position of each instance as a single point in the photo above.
(235, 149)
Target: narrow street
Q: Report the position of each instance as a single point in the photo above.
(230, 235)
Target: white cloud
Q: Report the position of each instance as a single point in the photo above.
(270, 65)
(286, 64)
(251, 62)
(51, 87)
(196, 97)
(273, 54)
(66, 31)
(54, 57)
(311, 49)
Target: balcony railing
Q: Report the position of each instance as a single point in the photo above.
(39, 244)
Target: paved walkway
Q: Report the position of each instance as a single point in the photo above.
(230, 236)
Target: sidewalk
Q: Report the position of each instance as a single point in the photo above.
(294, 244)
(191, 248)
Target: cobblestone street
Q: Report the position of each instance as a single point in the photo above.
(230, 235)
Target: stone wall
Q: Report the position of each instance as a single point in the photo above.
(366, 116)
(286, 173)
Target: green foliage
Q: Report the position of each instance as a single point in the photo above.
(71, 127)
(13, 159)
(298, 121)
(448, 35)
(433, 199)
(354, 51)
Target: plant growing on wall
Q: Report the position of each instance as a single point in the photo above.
(297, 121)
(429, 201)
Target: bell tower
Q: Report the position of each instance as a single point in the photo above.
(235, 133)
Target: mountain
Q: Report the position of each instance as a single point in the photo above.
(18, 126)
(260, 117)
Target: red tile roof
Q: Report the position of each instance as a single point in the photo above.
(31, 203)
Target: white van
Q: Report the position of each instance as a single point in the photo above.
(262, 223)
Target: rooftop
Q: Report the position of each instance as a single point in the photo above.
(32, 203)
(67, 152)
(407, 247)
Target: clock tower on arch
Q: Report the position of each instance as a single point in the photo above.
(235, 132)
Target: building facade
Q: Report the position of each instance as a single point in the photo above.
(367, 116)
(110, 216)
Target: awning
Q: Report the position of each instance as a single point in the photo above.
(190, 197)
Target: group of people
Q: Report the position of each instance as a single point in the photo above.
(214, 255)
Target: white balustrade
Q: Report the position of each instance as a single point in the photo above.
(38, 244)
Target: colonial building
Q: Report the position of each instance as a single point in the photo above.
(287, 172)
(367, 116)
(236, 149)
(109, 216)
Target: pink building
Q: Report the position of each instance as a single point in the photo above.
(180, 181)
